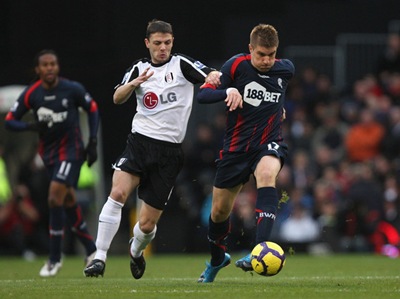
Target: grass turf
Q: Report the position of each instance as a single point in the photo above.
(175, 276)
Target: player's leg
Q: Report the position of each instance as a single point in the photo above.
(144, 232)
(266, 174)
(218, 230)
(266, 204)
(164, 161)
(78, 224)
(123, 183)
(57, 193)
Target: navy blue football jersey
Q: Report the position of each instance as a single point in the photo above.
(61, 139)
(259, 121)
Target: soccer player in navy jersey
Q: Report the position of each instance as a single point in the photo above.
(253, 143)
(55, 102)
(163, 87)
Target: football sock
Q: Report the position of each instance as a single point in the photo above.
(109, 221)
(141, 240)
(266, 208)
(217, 234)
(78, 226)
(56, 232)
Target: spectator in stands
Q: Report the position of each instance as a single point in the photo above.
(364, 138)
(362, 89)
(331, 133)
(300, 227)
(301, 130)
(302, 170)
(363, 210)
(390, 60)
(18, 217)
(391, 142)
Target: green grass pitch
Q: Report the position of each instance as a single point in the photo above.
(175, 276)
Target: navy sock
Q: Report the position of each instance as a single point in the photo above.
(266, 209)
(217, 234)
(79, 228)
(56, 231)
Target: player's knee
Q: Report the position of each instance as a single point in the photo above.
(219, 214)
(119, 195)
(54, 202)
(147, 226)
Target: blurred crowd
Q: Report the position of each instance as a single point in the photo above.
(339, 187)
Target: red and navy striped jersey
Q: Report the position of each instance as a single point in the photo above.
(59, 108)
(259, 121)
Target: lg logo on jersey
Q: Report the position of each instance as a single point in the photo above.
(255, 93)
(151, 100)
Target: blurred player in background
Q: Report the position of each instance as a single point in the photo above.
(163, 87)
(55, 103)
(253, 142)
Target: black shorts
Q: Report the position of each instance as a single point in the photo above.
(234, 168)
(66, 172)
(156, 162)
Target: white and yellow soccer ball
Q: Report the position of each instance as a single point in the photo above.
(267, 258)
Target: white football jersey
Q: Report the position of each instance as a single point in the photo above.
(164, 101)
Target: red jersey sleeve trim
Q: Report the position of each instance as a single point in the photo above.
(236, 64)
(29, 92)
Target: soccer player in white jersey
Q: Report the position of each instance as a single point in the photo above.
(163, 87)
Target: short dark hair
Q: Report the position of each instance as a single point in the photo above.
(41, 53)
(155, 26)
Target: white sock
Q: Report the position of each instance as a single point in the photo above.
(141, 240)
(109, 221)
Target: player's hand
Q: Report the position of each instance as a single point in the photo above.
(233, 99)
(91, 151)
(283, 114)
(213, 78)
(143, 77)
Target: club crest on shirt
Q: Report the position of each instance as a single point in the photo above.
(64, 103)
(169, 78)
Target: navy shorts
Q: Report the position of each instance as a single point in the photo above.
(234, 168)
(156, 162)
(66, 172)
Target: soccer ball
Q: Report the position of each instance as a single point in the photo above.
(267, 258)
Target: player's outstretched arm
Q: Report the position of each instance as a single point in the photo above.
(209, 94)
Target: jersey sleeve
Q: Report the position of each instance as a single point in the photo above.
(17, 111)
(208, 93)
(193, 70)
(131, 73)
(86, 101)
(287, 68)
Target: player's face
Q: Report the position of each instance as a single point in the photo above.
(262, 58)
(160, 46)
(48, 69)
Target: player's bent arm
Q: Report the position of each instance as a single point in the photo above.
(123, 93)
(208, 94)
(13, 124)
